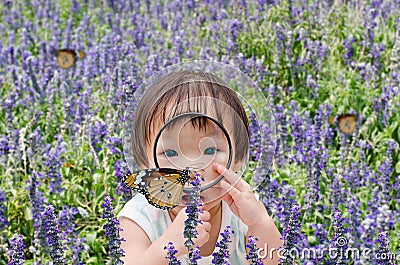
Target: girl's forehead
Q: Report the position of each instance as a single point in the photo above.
(210, 128)
(184, 127)
(208, 105)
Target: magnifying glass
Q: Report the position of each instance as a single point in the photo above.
(162, 186)
(185, 163)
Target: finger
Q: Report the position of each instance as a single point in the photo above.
(232, 177)
(206, 226)
(227, 198)
(201, 239)
(233, 192)
(206, 237)
(204, 216)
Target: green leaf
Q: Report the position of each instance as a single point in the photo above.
(318, 214)
(96, 178)
(398, 167)
(27, 213)
(91, 237)
(312, 240)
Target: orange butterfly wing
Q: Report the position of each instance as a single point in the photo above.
(162, 187)
(81, 55)
(331, 119)
(165, 192)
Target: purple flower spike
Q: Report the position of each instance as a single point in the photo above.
(192, 210)
(291, 235)
(53, 234)
(37, 207)
(253, 251)
(17, 256)
(3, 218)
(340, 239)
(386, 170)
(98, 133)
(112, 231)
(222, 256)
(383, 254)
(195, 256)
(5, 146)
(114, 144)
(171, 252)
(53, 164)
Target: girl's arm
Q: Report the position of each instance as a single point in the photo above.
(139, 249)
(243, 203)
(268, 239)
(137, 245)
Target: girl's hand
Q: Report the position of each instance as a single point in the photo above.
(174, 233)
(240, 197)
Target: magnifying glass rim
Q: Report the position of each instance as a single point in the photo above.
(187, 190)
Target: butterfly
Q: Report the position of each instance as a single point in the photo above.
(331, 120)
(347, 123)
(68, 164)
(162, 187)
(66, 58)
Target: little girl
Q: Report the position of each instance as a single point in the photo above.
(147, 229)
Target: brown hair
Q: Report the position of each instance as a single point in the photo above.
(185, 91)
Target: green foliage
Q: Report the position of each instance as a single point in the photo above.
(89, 175)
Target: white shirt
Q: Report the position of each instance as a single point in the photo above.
(155, 221)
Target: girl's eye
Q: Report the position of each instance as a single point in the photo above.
(171, 153)
(210, 151)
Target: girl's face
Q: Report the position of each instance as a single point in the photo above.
(183, 145)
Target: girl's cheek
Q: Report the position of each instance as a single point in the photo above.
(212, 196)
(167, 162)
(209, 175)
(212, 192)
(221, 158)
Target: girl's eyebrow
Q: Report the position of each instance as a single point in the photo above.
(165, 142)
(218, 133)
(215, 132)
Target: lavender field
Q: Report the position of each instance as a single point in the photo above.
(61, 149)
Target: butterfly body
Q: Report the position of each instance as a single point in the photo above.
(162, 187)
(347, 123)
(66, 58)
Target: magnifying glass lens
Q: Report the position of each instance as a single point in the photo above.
(193, 143)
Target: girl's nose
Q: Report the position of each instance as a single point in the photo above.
(196, 165)
(199, 162)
